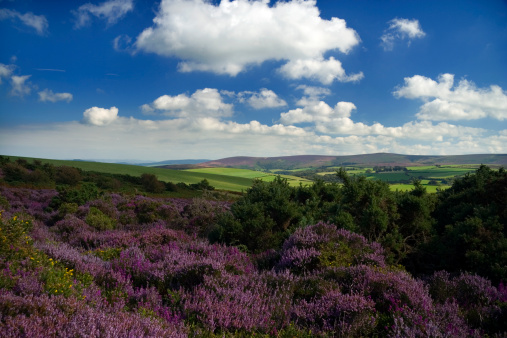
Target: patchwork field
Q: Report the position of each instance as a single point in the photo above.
(433, 177)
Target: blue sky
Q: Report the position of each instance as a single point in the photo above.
(181, 79)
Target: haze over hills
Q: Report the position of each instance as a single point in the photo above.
(315, 161)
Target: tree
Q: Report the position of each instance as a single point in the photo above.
(68, 175)
(202, 185)
(151, 183)
(471, 229)
(261, 219)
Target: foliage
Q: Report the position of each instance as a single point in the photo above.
(261, 219)
(151, 183)
(99, 220)
(131, 265)
(471, 229)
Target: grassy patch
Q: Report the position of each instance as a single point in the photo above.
(408, 187)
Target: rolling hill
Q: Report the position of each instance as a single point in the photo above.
(316, 161)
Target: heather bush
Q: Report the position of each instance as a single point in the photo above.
(43, 316)
(337, 314)
(200, 216)
(106, 206)
(123, 265)
(70, 227)
(237, 303)
(482, 304)
(322, 246)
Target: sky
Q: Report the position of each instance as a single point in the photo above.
(196, 79)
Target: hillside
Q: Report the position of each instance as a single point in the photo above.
(316, 161)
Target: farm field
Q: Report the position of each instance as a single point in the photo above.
(238, 180)
(251, 174)
(408, 187)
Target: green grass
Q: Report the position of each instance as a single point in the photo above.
(408, 187)
(220, 182)
(246, 173)
(389, 176)
(251, 174)
(293, 181)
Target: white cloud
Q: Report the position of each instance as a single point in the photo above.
(325, 71)
(123, 43)
(444, 101)
(100, 116)
(264, 99)
(112, 11)
(317, 112)
(147, 109)
(48, 95)
(203, 137)
(37, 22)
(205, 102)
(324, 119)
(229, 37)
(401, 29)
(5, 71)
(314, 93)
(20, 85)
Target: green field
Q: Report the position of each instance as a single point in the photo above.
(237, 180)
(246, 173)
(219, 181)
(251, 174)
(408, 187)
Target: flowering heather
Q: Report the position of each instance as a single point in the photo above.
(232, 303)
(153, 274)
(340, 314)
(323, 246)
(43, 316)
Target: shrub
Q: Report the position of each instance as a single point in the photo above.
(68, 175)
(152, 184)
(99, 220)
(322, 246)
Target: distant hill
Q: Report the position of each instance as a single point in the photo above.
(316, 161)
(172, 162)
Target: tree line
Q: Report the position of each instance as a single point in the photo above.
(46, 175)
(462, 228)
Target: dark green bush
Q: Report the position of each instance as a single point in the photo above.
(99, 220)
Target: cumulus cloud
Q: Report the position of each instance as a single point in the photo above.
(264, 99)
(201, 136)
(20, 85)
(207, 102)
(5, 71)
(100, 116)
(317, 112)
(337, 120)
(314, 93)
(37, 22)
(228, 37)
(325, 71)
(48, 95)
(111, 11)
(400, 29)
(444, 101)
